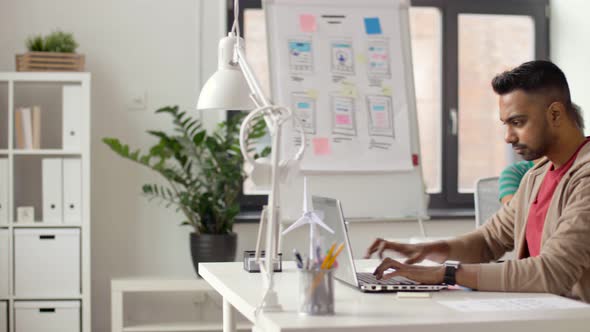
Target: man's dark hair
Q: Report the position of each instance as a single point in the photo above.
(539, 77)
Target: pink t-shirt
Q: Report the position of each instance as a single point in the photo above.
(538, 210)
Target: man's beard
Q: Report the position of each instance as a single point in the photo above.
(530, 154)
(545, 139)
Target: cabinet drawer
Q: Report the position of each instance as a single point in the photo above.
(47, 262)
(46, 316)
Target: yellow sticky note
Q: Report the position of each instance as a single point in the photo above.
(312, 93)
(361, 58)
(386, 89)
(413, 295)
(348, 89)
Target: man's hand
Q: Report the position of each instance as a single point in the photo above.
(435, 251)
(431, 275)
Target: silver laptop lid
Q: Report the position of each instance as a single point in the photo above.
(334, 218)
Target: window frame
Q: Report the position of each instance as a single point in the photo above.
(449, 199)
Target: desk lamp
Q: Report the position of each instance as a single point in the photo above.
(234, 87)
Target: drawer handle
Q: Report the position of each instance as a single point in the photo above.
(46, 237)
(46, 309)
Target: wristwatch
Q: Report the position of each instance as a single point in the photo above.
(451, 268)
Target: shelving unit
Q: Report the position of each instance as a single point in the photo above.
(24, 174)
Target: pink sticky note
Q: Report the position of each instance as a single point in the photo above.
(307, 23)
(381, 120)
(321, 146)
(342, 119)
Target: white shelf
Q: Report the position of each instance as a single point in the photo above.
(44, 77)
(25, 176)
(46, 152)
(44, 225)
(41, 298)
(182, 327)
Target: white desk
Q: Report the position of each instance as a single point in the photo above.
(356, 311)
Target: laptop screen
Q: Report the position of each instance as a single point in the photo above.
(332, 216)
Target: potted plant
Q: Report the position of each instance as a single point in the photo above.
(204, 177)
(54, 52)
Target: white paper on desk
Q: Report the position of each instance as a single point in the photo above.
(513, 304)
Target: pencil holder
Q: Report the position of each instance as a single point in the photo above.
(316, 292)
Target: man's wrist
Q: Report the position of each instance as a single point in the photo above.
(440, 274)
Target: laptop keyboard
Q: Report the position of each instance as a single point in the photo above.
(369, 278)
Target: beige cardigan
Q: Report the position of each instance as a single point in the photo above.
(563, 266)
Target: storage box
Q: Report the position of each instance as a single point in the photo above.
(4, 264)
(61, 316)
(3, 316)
(49, 61)
(47, 262)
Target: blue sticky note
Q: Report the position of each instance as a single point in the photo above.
(372, 26)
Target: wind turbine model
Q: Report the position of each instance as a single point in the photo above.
(310, 217)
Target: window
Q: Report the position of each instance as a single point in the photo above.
(457, 47)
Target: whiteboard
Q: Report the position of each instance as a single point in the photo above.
(344, 67)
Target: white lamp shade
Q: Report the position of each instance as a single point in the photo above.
(227, 89)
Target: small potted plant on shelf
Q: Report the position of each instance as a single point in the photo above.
(54, 52)
(204, 174)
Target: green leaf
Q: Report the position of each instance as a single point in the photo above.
(59, 41)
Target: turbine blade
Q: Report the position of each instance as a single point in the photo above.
(300, 222)
(318, 221)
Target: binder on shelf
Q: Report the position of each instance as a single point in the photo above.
(36, 120)
(52, 190)
(23, 120)
(18, 128)
(72, 191)
(71, 113)
(3, 191)
(4, 255)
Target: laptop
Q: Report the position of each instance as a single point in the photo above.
(346, 271)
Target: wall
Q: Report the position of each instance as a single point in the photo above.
(570, 48)
(131, 47)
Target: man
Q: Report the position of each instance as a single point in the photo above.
(547, 221)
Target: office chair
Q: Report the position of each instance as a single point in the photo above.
(486, 199)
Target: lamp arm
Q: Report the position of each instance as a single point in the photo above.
(253, 83)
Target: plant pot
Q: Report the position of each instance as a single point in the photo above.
(213, 248)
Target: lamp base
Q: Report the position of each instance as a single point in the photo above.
(271, 302)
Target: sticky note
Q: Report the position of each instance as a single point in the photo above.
(312, 93)
(342, 119)
(372, 26)
(321, 146)
(361, 58)
(348, 90)
(413, 295)
(307, 23)
(381, 120)
(386, 90)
